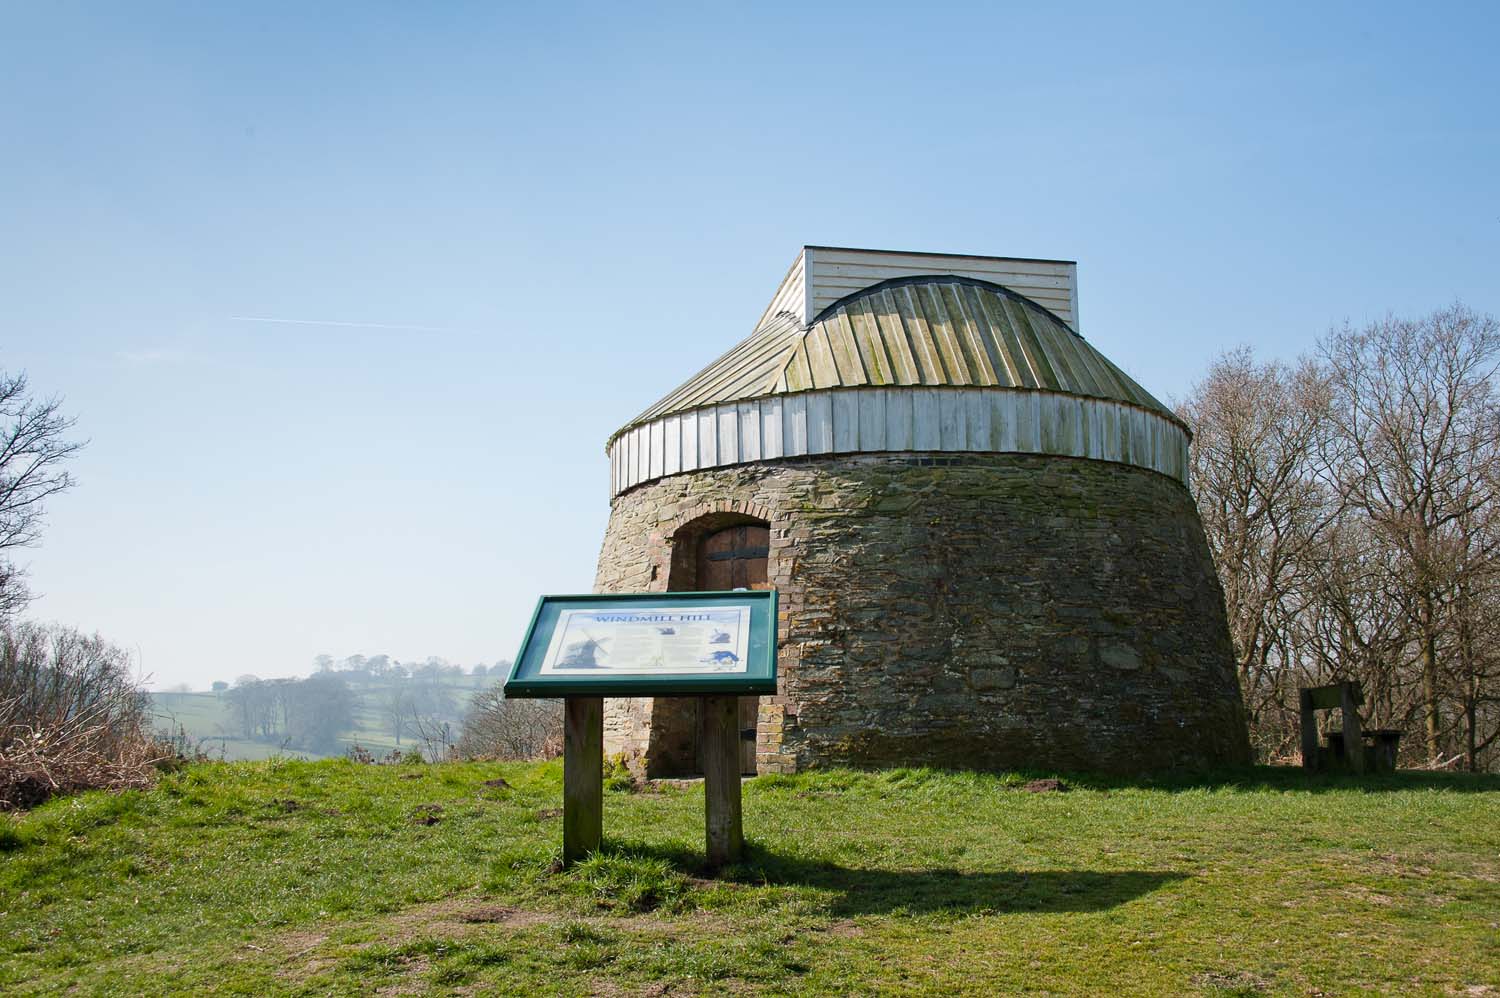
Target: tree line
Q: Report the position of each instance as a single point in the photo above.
(300, 713)
(1349, 501)
(414, 702)
(361, 668)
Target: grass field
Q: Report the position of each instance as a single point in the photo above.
(206, 719)
(313, 878)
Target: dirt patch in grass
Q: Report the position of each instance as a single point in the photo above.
(412, 971)
(1047, 786)
(489, 915)
(1231, 982)
(1363, 893)
(298, 943)
(845, 929)
(458, 917)
(1404, 866)
(1235, 982)
(603, 987)
(454, 918)
(297, 959)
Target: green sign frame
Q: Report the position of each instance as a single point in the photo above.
(671, 644)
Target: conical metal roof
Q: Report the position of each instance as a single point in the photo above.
(922, 331)
(876, 352)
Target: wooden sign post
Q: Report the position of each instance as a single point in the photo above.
(724, 829)
(715, 645)
(583, 777)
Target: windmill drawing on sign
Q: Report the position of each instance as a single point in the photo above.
(583, 654)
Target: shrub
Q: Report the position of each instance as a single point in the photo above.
(497, 728)
(395, 757)
(617, 774)
(71, 716)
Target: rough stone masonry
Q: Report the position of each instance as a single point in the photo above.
(975, 610)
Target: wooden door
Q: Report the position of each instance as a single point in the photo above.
(736, 558)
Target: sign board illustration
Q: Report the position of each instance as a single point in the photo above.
(650, 644)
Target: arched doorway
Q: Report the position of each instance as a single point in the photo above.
(715, 553)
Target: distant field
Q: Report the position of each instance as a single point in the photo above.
(207, 720)
(329, 878)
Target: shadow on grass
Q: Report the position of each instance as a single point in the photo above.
(1249, 778)
(1292, 778)
(861, 891)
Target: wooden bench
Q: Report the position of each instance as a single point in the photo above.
(1380, 748)
(1346, 697)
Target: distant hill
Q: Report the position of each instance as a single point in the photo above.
(210, 722)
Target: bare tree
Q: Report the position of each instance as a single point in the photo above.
(1474, 660)
(253, 704)
(1261, 441)
(1350, 503)
(511, 729)
(33, 449)
(318, 710)
(398, 708)
(1349, 623)
(1415, 402)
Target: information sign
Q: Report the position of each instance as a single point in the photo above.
(649, 644)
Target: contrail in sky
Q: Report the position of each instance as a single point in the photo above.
(331, 322)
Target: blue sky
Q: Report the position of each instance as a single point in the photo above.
(536, 220)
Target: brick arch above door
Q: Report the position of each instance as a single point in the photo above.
(678, 537)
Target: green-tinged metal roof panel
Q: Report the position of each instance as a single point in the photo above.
(939, 330)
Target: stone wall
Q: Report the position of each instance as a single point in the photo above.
(978, 611)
